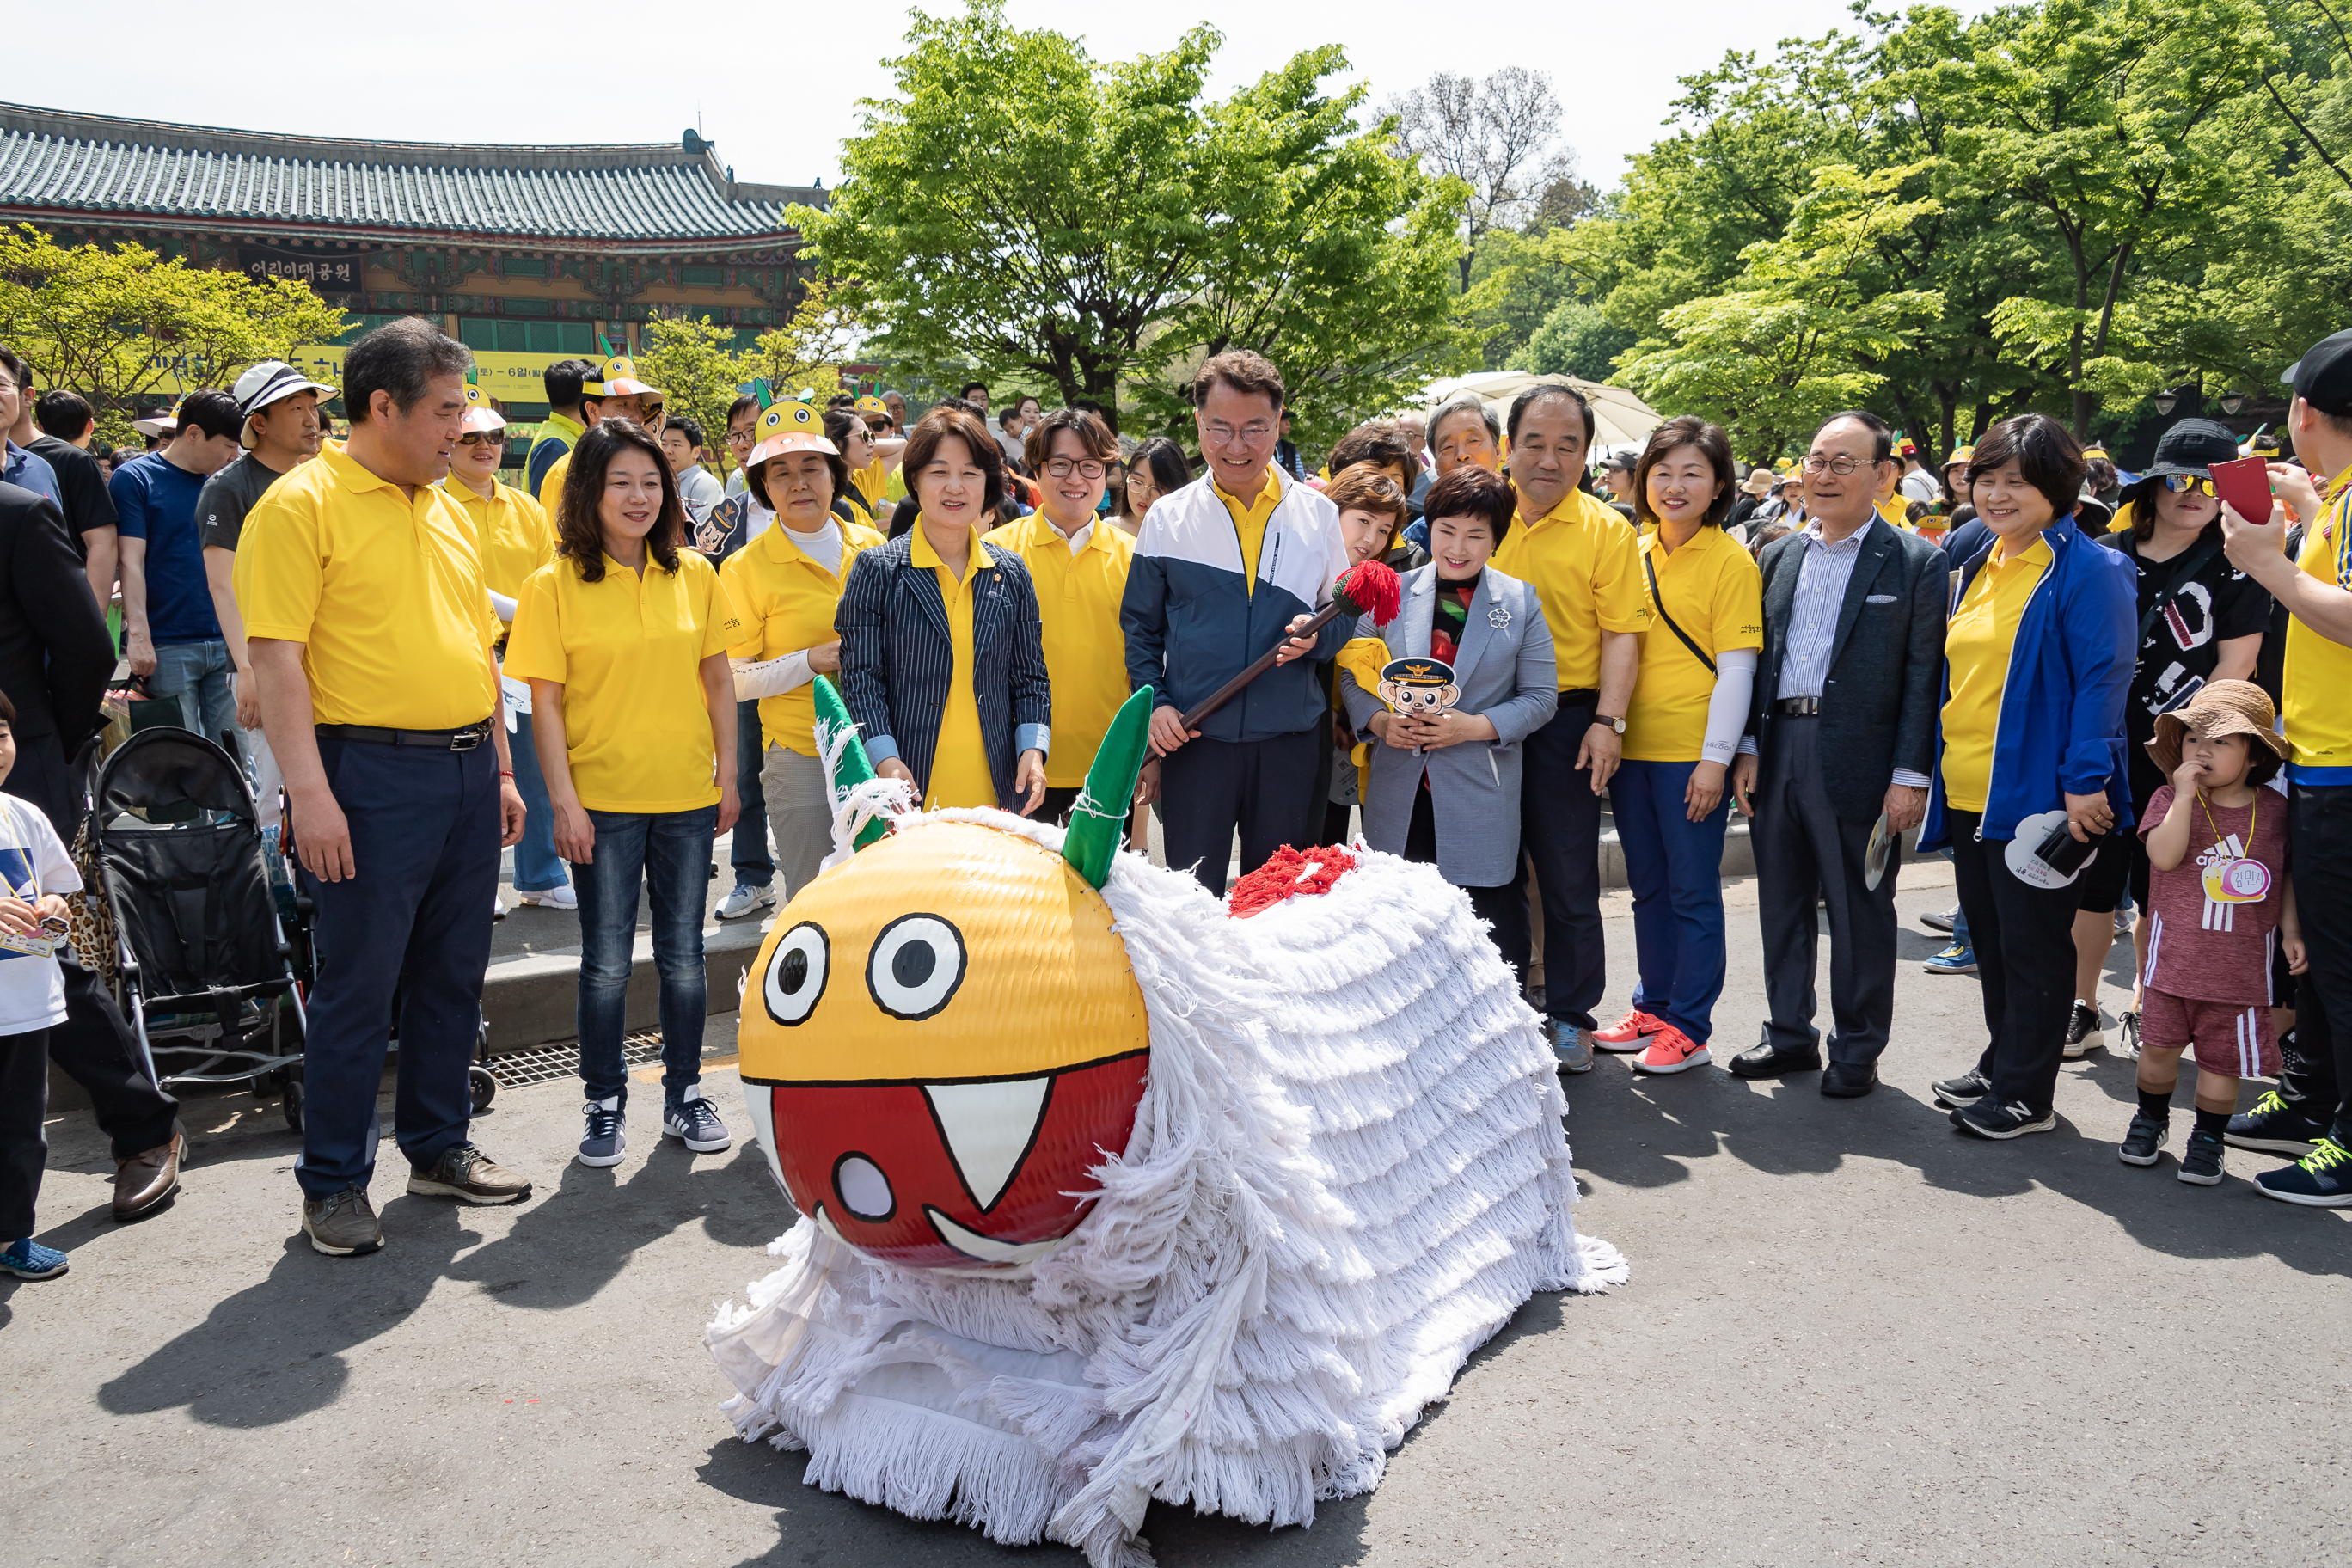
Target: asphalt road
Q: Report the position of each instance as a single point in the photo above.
(1850, 1335)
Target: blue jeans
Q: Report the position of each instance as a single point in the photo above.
(411, 929)
(537, 867)
(197, 674)
(1675, 867)
(754, 865)
(668, 854)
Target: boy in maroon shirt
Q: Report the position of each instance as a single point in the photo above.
(2221, 902)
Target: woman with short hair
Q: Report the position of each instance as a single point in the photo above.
(941, 657)
(622, 637)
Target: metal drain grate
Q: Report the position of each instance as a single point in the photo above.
(545, 1064)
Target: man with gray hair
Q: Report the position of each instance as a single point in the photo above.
(369, 625)
(1462, 430)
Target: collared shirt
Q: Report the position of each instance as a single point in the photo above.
(551, 488)
(557, 434)
(1977, 645)
(960, 771)
(384, 591)
(31, 472)
(786, 601)
(1712, 589)
(1822, 579)
(628, 650)
(2318, 672)
(1250, 520)
(1081, 582)
(1585, 563)
(511, 531)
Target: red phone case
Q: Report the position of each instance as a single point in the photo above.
(2245, 484)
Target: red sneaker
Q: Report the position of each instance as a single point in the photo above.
(1671, 1052)
(1630, 1032)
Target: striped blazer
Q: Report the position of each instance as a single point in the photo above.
(897, 660)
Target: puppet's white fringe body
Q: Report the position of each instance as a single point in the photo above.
(1347, 1173)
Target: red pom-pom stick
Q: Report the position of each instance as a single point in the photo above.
(1370, 588)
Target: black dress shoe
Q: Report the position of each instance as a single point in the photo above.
(1848, 1080)
(1768, 1060)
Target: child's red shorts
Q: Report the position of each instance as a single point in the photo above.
(2231, 1041)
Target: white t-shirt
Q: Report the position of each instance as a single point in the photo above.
(34, 862)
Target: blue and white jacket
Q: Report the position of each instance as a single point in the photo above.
(1192, 623)
(2060, 726)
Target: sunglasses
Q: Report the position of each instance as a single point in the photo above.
(483, 438)
(2189, 484)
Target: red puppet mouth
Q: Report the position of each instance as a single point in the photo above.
(953, 1175)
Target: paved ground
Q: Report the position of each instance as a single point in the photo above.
(1850, 1335)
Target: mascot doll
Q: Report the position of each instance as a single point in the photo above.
(1110, 1191)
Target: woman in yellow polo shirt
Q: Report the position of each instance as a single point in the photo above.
(1690, 706)
(2029, 773)
(785, 585)
(941, 662)
(624, 639)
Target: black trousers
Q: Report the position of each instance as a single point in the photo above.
(1804, 850)
(1503, 908)
(2025, 959)
(1264, 788)
(1559, 829)
(94, 1046)
(2313, 1076)
(24, 1147)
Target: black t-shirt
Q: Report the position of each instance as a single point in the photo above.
(2183, 645)
(227, 496)
(87, 506)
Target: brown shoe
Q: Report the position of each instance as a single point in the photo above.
(145, 1182)
(464, 1173)
(343, 1225)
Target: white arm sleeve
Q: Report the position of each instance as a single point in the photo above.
(1727, 709)
(770, 677)
(504, 606)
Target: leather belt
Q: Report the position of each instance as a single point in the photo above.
(1581, 696)
(1797, 708)
(464, 740)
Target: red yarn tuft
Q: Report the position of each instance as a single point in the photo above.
(1290, 872)
(1372, 588)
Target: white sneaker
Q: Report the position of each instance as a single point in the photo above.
(556, 898)
(498, 908)
(745, 900)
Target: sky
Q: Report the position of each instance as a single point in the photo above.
(779, 100)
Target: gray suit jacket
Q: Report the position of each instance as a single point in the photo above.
(1505, 671)
(1885, 671)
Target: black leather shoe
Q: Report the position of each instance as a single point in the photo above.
(1847, 1080)
(1768, 1060)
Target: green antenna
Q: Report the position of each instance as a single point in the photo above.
(833, 721)
(760, 390)
(1102, 806)
(606, 343)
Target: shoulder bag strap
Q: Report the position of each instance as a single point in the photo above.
(1650, 566)
(2190, 564)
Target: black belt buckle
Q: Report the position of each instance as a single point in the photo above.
(467, 739)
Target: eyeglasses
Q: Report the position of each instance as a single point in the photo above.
(1841, 465)
(1255, 434)
(483, 438)
(1063, 468)
(2189, 484)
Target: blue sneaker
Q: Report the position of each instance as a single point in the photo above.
(1960, 958)
(692, 1118)
(604, 1142)
(1572, 1046)
(28, 1259)
(2320, 1180)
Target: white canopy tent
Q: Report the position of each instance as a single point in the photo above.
(1620, 418)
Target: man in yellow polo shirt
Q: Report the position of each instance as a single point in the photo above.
(1585, 562)
(1080, 566)
(370, 628)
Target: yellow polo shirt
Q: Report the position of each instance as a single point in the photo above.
(1714, 592)
(872, 481)
(628, 651)
(2318, 672)
(1086, 652)
(1977, 647)
(384, 591)
(511, 531)
(786, 601)
(1896, 510)
(1250, 520)
(960, 773)
(1585, 563)
(551, 488)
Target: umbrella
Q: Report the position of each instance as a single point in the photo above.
(1618, 418)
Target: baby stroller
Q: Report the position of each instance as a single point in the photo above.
(206, 974)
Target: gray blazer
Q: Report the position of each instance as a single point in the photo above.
(1505, 670)
(1886, 665)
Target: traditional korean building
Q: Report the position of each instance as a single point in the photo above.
(526, 254)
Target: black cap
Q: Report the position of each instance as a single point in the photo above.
(2193, 446)
(2323, 377)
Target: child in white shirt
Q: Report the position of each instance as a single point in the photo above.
(36, 874)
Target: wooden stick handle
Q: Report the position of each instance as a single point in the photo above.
(1264, 661)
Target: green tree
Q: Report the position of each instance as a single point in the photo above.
(698, 374)
(117, 324)
(1577, 339)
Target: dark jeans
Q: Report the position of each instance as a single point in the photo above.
(1559, 829)
(411, 929)
(1675, 867)
(669, 855)
(755, 866)
(1503, 908)
(1806, 851)
(537, 867)
(1263, 788)
(2024, 939)
(24, 1147)
(2319, 823)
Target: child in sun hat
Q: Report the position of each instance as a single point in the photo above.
(2219, 904)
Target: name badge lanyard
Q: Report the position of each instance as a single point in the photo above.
(2235, 878)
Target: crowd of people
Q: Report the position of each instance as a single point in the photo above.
(2091, 703)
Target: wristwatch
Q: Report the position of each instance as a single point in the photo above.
(1616, 724)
